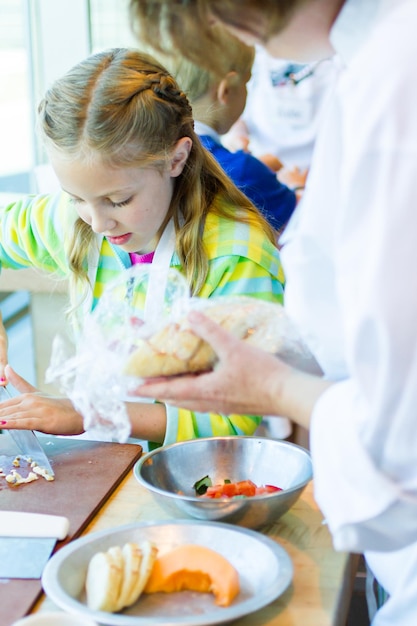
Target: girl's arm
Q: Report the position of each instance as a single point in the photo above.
(34, 410)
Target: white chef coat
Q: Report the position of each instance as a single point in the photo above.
(350, 257)
(282, 117)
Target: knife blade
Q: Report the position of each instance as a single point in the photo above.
(27, 541)
(26, 440)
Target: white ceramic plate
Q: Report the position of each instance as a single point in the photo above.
(265, 571)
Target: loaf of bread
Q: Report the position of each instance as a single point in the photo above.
(175, 349)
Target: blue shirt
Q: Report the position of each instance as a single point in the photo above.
(275, 200)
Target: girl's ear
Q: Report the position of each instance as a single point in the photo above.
(180, 155)
(225, 86)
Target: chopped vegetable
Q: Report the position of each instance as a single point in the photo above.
(202, 485)
(241, 489)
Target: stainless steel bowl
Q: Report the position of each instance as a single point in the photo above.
(171, 471)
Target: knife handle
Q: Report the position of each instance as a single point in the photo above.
(21, 524)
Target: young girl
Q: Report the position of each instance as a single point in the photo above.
(136, 184)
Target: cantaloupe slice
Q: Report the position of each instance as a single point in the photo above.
(195, 568)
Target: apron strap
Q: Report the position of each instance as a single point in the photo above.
(158, 273)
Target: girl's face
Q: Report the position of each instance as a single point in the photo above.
(127, 205)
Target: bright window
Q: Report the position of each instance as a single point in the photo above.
(39, 41)
(110, 24)
(16, 154)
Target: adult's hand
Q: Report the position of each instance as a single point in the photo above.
(34, 410)
(245, 380)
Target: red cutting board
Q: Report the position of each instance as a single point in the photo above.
(86, 473)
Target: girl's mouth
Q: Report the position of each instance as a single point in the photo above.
(120, 240)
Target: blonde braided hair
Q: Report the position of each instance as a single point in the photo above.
(124, 107)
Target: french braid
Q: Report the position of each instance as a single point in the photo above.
(122, 106)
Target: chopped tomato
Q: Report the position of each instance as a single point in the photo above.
(246, 488)
(227, 489)
(230, 490)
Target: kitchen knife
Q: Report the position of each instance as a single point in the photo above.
(27, 541)
(26, 440)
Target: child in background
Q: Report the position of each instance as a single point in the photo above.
(218, 99)
(283, 109)
(136, 183)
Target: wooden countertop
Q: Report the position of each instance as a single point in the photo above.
(323, 579)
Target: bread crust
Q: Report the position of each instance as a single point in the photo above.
(175, 349)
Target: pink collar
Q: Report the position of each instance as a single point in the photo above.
(141, 258)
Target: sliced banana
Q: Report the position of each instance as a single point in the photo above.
(116, 578)
(149, 554)
(132, 558)
(104, 577)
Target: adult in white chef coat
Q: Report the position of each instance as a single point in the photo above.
(350, 256)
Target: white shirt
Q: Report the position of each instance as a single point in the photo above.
(350, 257)
(282, 117)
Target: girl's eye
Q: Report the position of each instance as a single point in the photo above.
(123, 203)
(74, 200)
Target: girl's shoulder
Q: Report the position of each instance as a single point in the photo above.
(227, 237)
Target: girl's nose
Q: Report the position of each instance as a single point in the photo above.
(101, 223)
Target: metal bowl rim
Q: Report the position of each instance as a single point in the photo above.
(175, 496)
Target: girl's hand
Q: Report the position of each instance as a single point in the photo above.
(34, 410)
